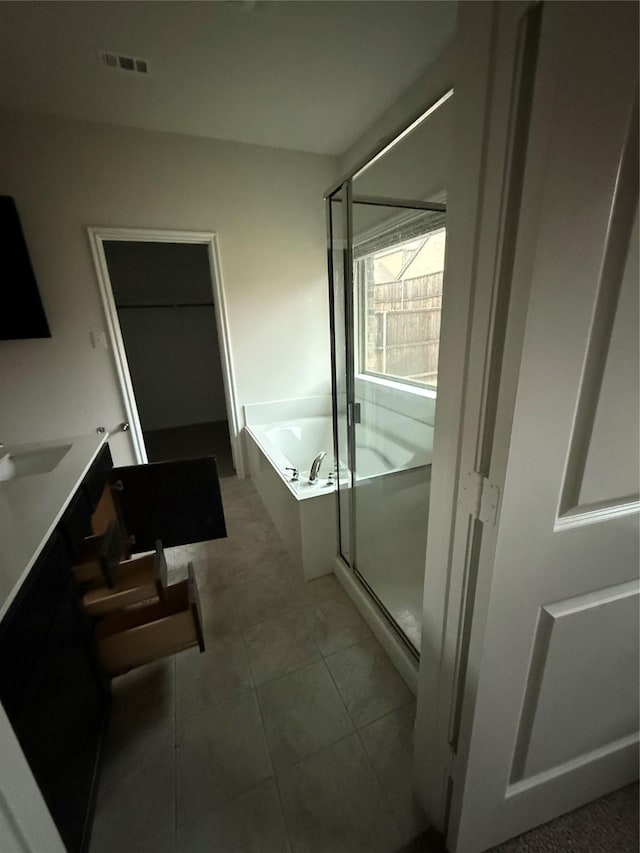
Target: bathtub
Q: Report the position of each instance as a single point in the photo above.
(295, 445)
(305, 514)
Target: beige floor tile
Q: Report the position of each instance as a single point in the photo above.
(309, 594)
(218, 675)
(143, 695)
(368, 682)
(221, 753)
(263, 598)
(249, 823)
(137, 811)
(302, 713)
(336, 624)
(278, 646)
(219, 616)
(333, 803)
(389, 745)
(141, 724)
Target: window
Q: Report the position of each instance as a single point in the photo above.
(399, 289)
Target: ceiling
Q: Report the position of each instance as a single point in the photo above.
(308, 75)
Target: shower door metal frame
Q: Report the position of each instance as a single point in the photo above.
(350, 357)
(329, 200)
(345, 185)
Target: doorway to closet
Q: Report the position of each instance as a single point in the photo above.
(169, 336)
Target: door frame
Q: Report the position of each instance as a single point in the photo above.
(97, 238)
(481, 345)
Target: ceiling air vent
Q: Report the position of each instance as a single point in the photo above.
(119, 62)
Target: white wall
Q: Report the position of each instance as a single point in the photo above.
(264, 203)
(431, 85)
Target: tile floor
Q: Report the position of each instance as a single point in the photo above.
(292, 732)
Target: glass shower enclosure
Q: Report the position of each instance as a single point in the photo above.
(386, 229)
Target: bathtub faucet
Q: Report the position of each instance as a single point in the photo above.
(315, 467)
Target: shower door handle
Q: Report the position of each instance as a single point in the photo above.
(353, 413)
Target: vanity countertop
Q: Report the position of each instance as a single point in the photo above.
(31, 504)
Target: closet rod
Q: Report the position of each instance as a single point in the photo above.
(166, 305)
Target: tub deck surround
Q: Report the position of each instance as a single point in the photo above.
(286, 435)
(290, 434)
(303, 514)
(31, 506)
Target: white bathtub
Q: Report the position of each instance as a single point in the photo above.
(304, 514)
(295, 445)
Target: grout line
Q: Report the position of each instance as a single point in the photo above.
(273, 769)
(357, 727)
(380, 783)
(302, 760)
(386, 714)
(290, 672)
(359, 642)
(244, 643)
(339, 692)
(284, 814)
(357, 731)
(284, 674)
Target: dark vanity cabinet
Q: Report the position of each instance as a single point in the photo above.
(52, 685)
(53, 689)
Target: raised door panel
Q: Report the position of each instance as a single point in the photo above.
(583, 682)
(612, 458)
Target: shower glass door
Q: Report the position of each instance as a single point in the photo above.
(387, 231)
(397, 295)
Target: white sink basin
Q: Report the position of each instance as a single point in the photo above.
(24, 463)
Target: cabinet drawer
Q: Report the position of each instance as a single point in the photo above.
(136, 580)
(138, 635)
(107, 511)
(98, 560)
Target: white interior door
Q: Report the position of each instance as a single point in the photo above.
(549, 719)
